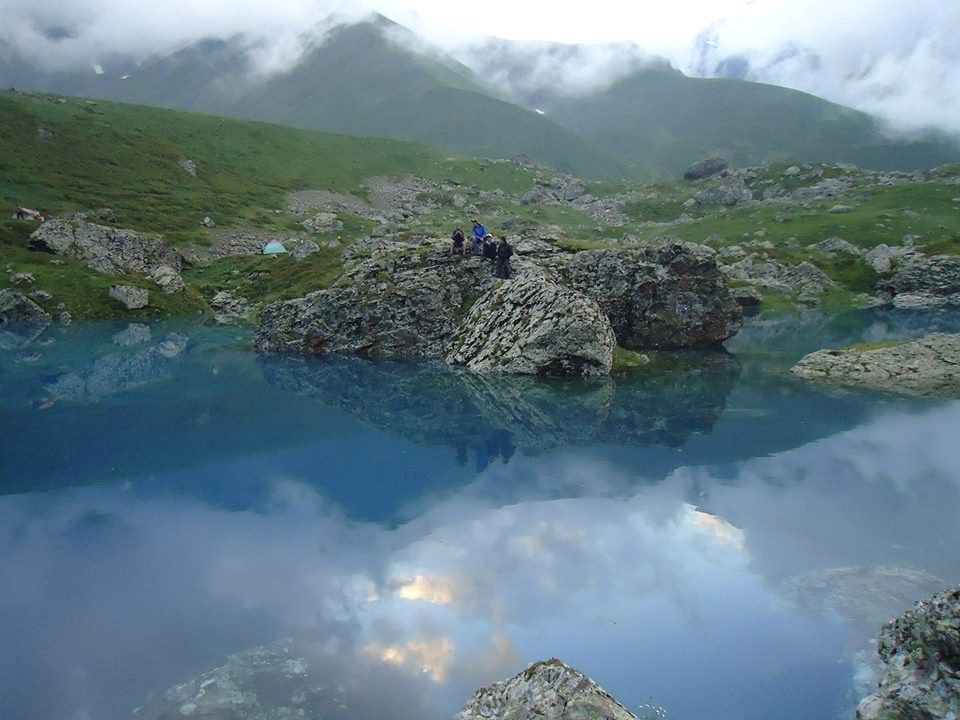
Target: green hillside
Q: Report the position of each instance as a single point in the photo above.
(660, 121)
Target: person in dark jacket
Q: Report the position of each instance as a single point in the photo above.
(489, 248)
(459, 246)
(504, 253)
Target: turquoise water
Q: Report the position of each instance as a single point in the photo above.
(710, 536)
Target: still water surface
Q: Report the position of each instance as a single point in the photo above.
(711, 536)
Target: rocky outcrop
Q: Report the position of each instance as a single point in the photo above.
(925, 282)
(660, 297)
(547, 690)
(729, 192)
(21, 320)
(929, 366)
(534, 327)
(106, 249)
(130, 296)
(407, 300)
(921, 649)
(803, 279)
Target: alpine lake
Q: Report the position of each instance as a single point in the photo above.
(707, 537)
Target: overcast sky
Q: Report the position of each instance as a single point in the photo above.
(900, 60)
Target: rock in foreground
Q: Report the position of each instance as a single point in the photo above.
(547, 690)
(535, 327)
(929, 366)
(922, 652)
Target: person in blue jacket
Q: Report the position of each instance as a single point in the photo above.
(478, 232)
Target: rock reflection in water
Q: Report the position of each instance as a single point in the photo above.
(491, 417)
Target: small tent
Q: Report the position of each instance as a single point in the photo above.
(274, 247)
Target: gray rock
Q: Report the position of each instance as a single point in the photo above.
(534, 327)
(229, 309)
(208, 222)
(919, 301)
(105, 214)
(325, 222)
(839, 208)
(22, 278)
(917, 274)
(706, 168)
(40, 295)
(791, 171)
(189, 166)
(883, 258)
(168, 279)
(921, 649)
(929, 366)
(836, 245)
(129, 296)
(730, 192)
(666, 296)
(65, 318)
(803, 279)
(106, 249)
(546, 690)
(747, 297)
(21, 320)
(304, 248)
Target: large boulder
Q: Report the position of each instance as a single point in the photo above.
(546, 690)
(107, 249)
(929, 366)
(21, 320)
(412, 314)
(928, 281)
(706, 168)
(668, 296)
(533, 326)
(922, 651)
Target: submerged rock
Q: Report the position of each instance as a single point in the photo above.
(535, 327)
(547, 690)
(922, 652)
(929, 366)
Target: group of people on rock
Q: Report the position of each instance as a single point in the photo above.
(483, 244)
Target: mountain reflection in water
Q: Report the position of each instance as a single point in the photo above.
(695, 537)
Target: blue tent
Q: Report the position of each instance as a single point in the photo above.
(274, 247)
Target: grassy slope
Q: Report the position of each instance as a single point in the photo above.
(661, 121)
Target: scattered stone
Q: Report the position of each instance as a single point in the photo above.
(21, 320)
(325, 222)
(546, 690)
(131, 297)
(791, 171)
(189, 166)
(781, 217)
(305, 248)
(906, 212)
(208, 222)
(40, 295)
(535, 327)
(929, 366)
(65, 318)
(729, 192)
(22, 278)
(168, 280)
(105, 214)
(921, 649)
(133, 334)
(836, 245)
(706, 168)
(43, 134)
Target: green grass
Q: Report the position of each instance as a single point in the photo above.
(625, 360)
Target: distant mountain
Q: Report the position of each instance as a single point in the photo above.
(358, 79)
(377, 78)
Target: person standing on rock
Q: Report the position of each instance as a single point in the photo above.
(504, 253)
(478, 232)
(490, 249)
(459, 243)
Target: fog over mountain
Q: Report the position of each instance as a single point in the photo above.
(899, 61)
